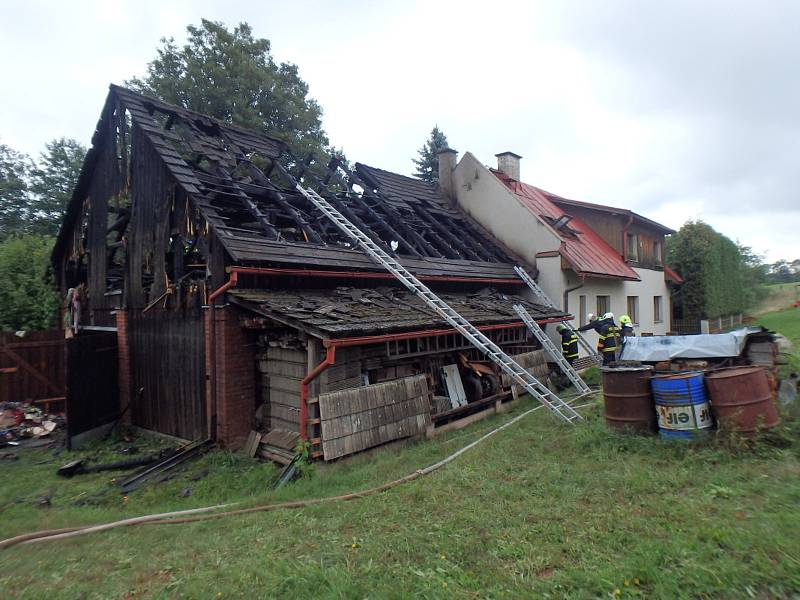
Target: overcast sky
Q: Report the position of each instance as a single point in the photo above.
(678, 110)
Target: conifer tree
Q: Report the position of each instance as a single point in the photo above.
(428, 161)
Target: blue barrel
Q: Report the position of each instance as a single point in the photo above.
(682, 405)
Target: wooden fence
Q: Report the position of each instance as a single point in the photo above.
(721, 324)
(32, 366)
(716, 325)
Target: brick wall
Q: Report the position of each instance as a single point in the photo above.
(124, 375)
(235, 377)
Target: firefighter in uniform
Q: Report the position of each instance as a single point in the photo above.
(569, 342)
(609, 334)
(626, 326)
(592, 322)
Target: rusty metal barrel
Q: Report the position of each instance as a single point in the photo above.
(681, 405)
(741, 399)
(627, 398)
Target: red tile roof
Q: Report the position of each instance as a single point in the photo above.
(586, 252)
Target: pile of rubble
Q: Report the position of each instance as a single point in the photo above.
(22, 421)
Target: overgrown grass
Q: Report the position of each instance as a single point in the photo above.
(786, 322)
(779, 296)
(539, 510)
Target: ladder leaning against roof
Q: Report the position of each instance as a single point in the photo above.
(521, 376)
(551, 348)
(539, 292)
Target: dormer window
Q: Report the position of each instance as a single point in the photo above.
(633, 247)
(562, 225)
(657, 250)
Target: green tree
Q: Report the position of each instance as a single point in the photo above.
(52, 181)
(232, 76)
(14, 193)
(720, 276)
(428, 161)
(27, 295)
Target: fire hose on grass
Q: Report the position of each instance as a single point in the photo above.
(196, 514)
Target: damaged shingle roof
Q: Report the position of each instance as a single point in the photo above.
(348, 312)
(243, 185)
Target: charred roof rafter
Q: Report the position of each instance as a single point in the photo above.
(242, 184)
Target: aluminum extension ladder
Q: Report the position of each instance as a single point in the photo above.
(523, 274)
(551, 348)
(524, 379)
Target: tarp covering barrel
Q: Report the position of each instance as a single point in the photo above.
(669, 347)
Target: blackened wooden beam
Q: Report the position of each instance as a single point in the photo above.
(420, 247)
(494, 252)
(397, 219)
(339, 205)
(382, 221)
(268, 228)
(456, 245)
(470, 239)
(276, 196)
(358, 222)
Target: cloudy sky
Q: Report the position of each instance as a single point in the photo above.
(679, 110)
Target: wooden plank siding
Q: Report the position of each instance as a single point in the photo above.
(611, 227)
(167, 357)
(32, 367)
(360, 418)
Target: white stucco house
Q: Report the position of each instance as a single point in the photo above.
(590, 258)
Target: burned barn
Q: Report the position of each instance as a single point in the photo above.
(239, 306)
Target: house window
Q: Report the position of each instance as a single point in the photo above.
(658, 310)
(633, 247)
(603, 305)
(582, 313)
(657, 254)
(633, 309)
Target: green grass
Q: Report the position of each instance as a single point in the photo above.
(779, 296)
(539, 510)
(786, 322)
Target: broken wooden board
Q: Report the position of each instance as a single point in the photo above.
(251, 445)
(360, 418)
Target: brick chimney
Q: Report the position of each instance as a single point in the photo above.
(447, 164)
(508, 163)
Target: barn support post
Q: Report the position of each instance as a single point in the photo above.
(124, 373)
(230, 361)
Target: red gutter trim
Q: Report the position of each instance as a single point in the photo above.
(232, 281)
(331, 345)
(236, 271)
(330, 359)
(388, 337)
(367, 275)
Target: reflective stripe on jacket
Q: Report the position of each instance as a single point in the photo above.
(608, 333)
(569, 344)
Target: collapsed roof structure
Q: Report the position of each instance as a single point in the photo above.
(174, 210)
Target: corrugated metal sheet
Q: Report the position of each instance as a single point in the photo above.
(587, 253)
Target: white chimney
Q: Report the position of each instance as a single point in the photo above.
(508, 163)
(447, 164)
